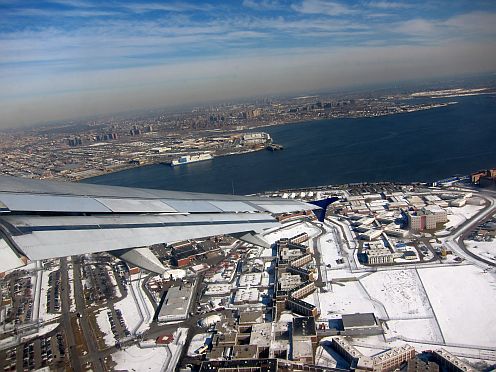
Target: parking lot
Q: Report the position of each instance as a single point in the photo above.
(53, 292)
(17, 296)
(101, 287)
(42, 352)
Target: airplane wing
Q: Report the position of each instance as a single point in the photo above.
(46, 219)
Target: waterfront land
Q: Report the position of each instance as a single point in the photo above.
(84, 149)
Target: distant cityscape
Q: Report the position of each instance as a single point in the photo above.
(75, 151)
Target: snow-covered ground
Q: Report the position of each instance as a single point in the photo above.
(483, 249)
(415, 329)
(400, 291)
(130, 311)
(145, 306)
(457, 216)
(467, 211)
(329, 248)
(113, 280)
(346, 298)
(104, 326)
(134, 358)
(454, 220)
(43, 314)
(70, 274)
(196, 342)
(463, 298)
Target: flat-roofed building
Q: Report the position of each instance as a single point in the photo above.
(379, 256)
(246, 296)
(361, 324)
(287, 281)
(370, 234)
(261, 335)
(427, 218)
(303, 273)
(245, 352)
(304, 338)
(250, 280)
(287, 253)
(248, 318)
(304, 328)
(302, 307)
(176, 303)
(303, 260)
(390, 360)
(300, 238)
(303, 290)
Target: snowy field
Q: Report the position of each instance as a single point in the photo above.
(104, 326)
(347, 298)
(400, 291)
(329, 248)
(415, 329)
(483, 249)
(454, 220)
(135, 359)
(130, 312)
(464, 299)
(43, 314)
(457, 216)
(467, 211)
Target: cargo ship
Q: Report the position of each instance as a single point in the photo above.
(186, 159)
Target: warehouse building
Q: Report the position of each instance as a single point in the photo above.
(176, 303)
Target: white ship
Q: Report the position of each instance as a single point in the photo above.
(190, 159)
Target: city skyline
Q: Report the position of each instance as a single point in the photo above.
(67, 59)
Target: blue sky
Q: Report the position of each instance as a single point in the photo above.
(61, 59)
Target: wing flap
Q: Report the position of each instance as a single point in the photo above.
(46, 237)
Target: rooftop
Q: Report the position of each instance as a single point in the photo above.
(304, 327)
(359, 320)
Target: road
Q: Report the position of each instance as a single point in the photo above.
(455, 240)
(66, 316)
(94, 356)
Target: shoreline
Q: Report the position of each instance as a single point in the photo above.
(435, 106)
(126, 167)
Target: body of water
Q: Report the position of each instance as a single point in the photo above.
(421, 146)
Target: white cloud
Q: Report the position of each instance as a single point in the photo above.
(165, 6)
(468, 25)
(261, 4)
(416, 26)
(327, 7)
(481, 23)
(389, 5)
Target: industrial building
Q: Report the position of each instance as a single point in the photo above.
(176, 303)
(361, 324)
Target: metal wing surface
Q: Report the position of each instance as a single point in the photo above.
(47, 219)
